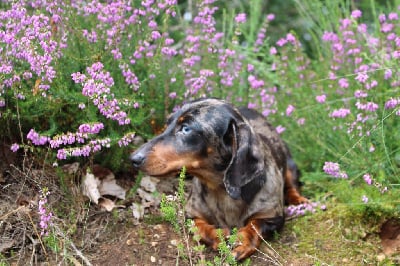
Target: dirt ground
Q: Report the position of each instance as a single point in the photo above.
(83, 233)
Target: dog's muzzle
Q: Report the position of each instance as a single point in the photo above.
(137, 159)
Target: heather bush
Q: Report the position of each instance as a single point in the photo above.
(82, 79)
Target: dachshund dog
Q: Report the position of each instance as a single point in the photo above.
(243, 171)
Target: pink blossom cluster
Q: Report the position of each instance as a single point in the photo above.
(356, 50)
(333, 169)
(93, 146)
(97, 88)
(126, 139)
(30, 39)
(36, 138)
(304, 209)
(45, 214)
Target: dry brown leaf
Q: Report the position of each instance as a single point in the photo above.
(149, 183)
(110, 187)
(95, 187)
(90, 187)
(108, 204)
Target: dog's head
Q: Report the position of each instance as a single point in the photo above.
(212, 140)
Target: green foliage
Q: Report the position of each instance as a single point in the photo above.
(173, 209)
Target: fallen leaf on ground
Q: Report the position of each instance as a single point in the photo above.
(94, 187)
(108, 204)
(149, 183)
(110, 187)
(90, 187)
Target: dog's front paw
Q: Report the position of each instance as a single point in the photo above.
(243, 251)
(223, 235)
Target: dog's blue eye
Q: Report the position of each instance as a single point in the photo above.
(186, 129)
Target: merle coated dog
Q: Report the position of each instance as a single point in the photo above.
(243, 171)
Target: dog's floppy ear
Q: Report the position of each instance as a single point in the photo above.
(247, 163)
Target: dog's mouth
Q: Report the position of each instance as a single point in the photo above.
(159, 169)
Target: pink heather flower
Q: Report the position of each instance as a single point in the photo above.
(391, 103)
(367, 178)
(240, 18)
(280, 129)
(254, 82)
(382, 18)
(345, 23)
(281, 42)
(388, 74)
(356, 14)
(291, 38)
(152, 24)
(369, 106)
(343, 83)
(360, 94)
(362, 28)
(81, 106)
(36, 138)
(136, 105)
(250, 68)
(78, 77)
(172, 95)
(393, 16)
(61, 154)
(362, 77)
(365, 199)
(272, 51)
(289, 110)
(251, 105)
(333, 169)
(320, 98)
(2, 103)
(155, 35)
(302, 209)
(14, 147)
(44, 213)
(301, 121)
(90, 129)
(371, 148)
(387, 27)
(340, 113)
(270, 17)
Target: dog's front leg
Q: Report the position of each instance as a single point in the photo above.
(248, 238)
(208, 233)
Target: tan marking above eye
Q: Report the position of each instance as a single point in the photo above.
(181, 119)
(209, 150)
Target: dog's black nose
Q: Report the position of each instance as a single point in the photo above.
(137, 159)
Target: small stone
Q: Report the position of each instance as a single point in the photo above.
(129, 242)
(153, 259)
(380, 257)
(174, 242)
(157, 236)
(153, 244)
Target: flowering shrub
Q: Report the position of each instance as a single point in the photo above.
(81, 77)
